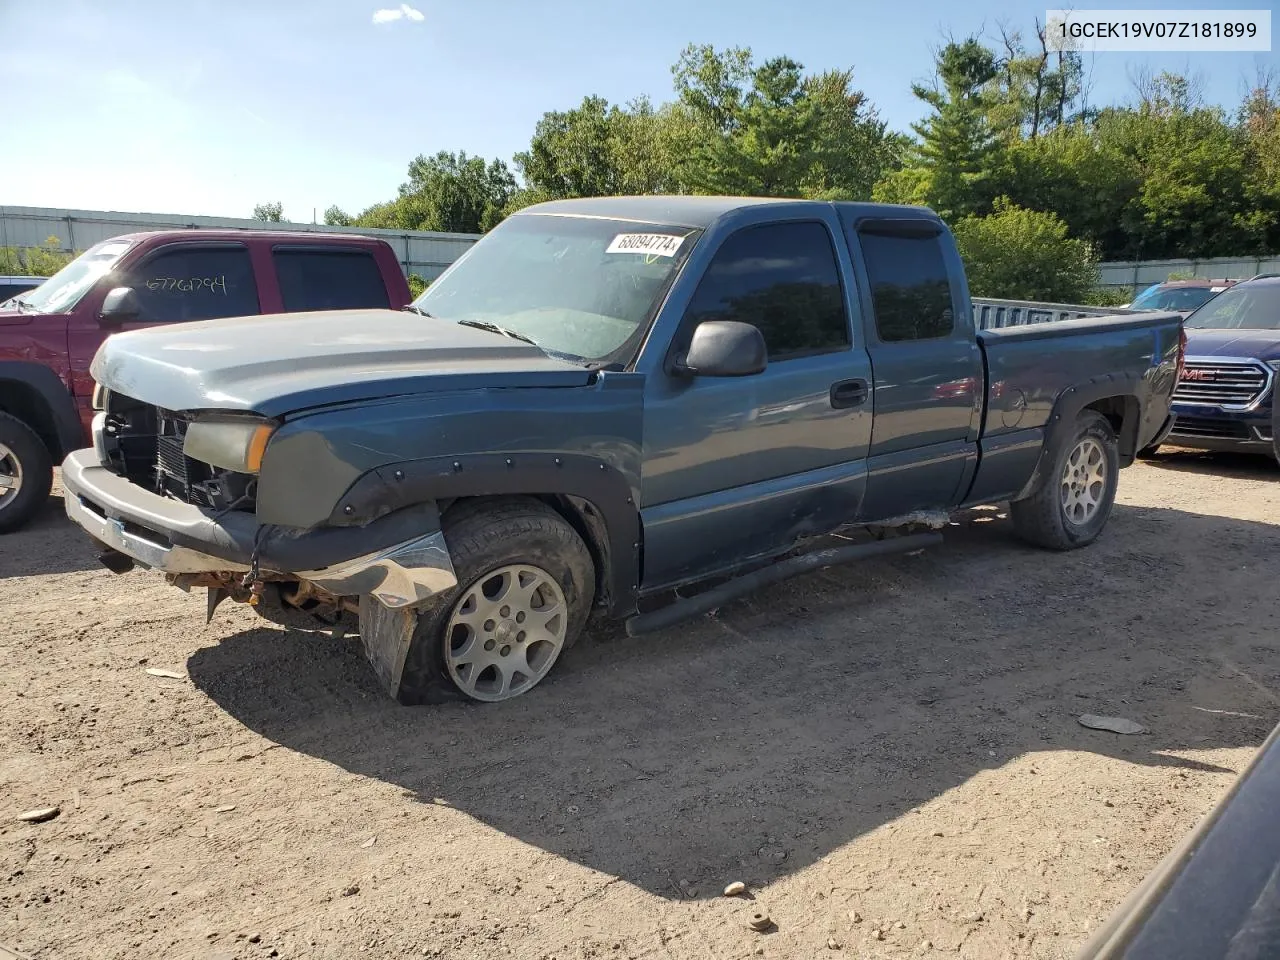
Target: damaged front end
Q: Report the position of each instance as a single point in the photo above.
(177, 493)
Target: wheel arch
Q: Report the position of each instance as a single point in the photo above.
(33, 393)
(1114, 397)
(591, 495)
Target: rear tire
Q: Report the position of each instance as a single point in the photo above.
(517, 562)
(1075, 499)
(26, 473)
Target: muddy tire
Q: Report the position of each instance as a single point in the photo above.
(526, 583)
(1074, 501)
(26, 473)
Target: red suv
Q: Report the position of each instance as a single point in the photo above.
(48, 335)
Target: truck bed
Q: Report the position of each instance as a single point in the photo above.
(1029, 367)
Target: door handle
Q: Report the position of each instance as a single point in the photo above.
(848, 393)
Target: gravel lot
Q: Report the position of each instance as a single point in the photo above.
(887, 755)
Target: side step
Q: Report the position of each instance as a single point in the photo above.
(683, 610)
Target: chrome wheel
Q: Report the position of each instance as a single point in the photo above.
(10, 476)
(1084, 480)
(505, 632)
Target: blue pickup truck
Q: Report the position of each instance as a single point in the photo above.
(603, 402)
(1225, 398)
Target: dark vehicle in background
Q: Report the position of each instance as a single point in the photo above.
(1216, 895)
(1225, 396)
(601, 402)
(10, 287)
(1181, 296)
(49, 334)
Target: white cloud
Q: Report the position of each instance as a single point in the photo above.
(403, 12)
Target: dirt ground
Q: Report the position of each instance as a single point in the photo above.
(887, 755)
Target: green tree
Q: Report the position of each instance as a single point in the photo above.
(597, 149)
(335, 216)
(1025, 255)
(1259, 121)
(770, 130)
(447, 192)
(1035, 90)
(1193, 172)
(269, 212)
(956, 141)
(42, 261)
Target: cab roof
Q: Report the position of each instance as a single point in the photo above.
(242, 233)
(701, 212)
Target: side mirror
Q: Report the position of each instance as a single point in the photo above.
(724, 348)
(120, 306)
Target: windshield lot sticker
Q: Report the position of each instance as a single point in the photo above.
(652, 244)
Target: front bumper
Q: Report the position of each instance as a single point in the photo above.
(1200, 427)
(400, 559)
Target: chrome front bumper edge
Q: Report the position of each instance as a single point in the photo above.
(402, 575)
(125, 537)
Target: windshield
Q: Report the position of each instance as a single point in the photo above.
(1173, 298)
(63, 290)
(1242, 307)
(572, 285)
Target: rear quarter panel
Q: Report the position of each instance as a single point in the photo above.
(1038, 373)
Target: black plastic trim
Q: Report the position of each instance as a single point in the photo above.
(603, 486)
(54, 393)
(1068, 406)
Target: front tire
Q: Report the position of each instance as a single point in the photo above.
(1075, 500)
(26, 473)
(526, 583)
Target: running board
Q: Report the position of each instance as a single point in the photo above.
(682, 610)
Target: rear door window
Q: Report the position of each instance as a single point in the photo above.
(194, 282)
(329, 280)
(910, 287)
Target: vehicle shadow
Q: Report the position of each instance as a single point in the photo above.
(1238, 466)
(48, 544)
(753, 742)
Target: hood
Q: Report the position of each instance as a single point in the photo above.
(11, 317)
(278, 363)
(1255, 344)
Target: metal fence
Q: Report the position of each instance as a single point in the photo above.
(1139, 275)
(423, 253)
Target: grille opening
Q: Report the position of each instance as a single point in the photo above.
(1225, 383)
(1210, 429)
(145, 445)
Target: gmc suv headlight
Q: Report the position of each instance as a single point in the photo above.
(231, 444)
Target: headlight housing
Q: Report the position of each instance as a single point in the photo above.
(233, 444)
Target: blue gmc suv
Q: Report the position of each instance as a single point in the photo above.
(1223, 400)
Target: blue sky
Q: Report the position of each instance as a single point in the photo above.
(211, 106)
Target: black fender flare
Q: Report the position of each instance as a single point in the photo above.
(596, 491)
(1068, 406)
(53, 393)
